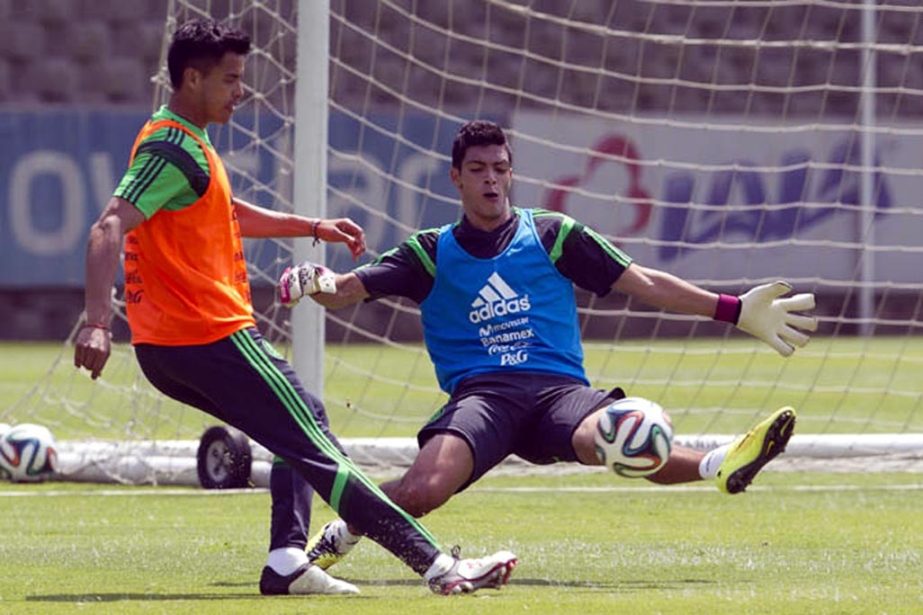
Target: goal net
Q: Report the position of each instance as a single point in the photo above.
(731, 143)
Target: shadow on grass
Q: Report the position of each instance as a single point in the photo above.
(124, 597)
(102, 598)
(354, 581)
(612, 586)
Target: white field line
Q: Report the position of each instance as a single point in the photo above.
(145, 491)
(697, 488)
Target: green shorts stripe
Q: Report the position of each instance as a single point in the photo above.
(339, 486)
(280, 386)
(302, 415)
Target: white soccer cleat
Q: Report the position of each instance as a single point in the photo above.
(470, 575)
(307, 579)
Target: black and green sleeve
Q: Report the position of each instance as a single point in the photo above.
(581, 254)
(408, 270)
(169, 172)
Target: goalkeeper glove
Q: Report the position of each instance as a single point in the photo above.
(305, 279)
(764, 314)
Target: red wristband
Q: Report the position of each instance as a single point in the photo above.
(728, 309)
(93, 325)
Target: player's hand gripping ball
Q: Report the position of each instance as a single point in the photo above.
(28, 453)
(634, 437)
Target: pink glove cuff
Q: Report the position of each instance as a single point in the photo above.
(728, 309)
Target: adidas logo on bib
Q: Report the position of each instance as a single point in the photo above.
(495, 299)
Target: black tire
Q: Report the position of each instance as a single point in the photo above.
(223, 459)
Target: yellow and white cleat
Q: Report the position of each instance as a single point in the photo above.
(753, 450)
(329, 545)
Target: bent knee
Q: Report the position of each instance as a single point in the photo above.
(584, 441)
(420, 497)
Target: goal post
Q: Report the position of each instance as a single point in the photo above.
(731, 143)
(310, 178)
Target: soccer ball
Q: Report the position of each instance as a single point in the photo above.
(634, 437)
(27, 453)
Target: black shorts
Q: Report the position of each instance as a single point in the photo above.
(529, 414)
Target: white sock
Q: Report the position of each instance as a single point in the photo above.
(343, 530)
(440, 566)
(708, 467)
(287, 560)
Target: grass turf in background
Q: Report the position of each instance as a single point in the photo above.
(796, 543)
(844, 385)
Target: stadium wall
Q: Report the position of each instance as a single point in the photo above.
(58, 168)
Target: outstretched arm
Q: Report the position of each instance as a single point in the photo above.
(257, 221)
(403, 271)
(331, 290)
(349, 290)
(666, 291)
(763, 311)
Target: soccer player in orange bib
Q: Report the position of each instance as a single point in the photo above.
(192, 326)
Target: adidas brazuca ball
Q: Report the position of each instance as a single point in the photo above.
(27, 453)
(634, 437)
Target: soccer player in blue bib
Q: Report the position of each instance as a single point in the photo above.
(496, 295)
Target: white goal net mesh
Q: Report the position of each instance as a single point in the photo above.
(731, 143)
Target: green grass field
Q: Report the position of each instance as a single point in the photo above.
(588, 542)
(795, 543)
(838, 386)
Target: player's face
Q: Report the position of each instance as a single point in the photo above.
(222, 88)
(484, 182)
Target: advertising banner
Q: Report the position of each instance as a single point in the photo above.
(709, 202)
(732, 200)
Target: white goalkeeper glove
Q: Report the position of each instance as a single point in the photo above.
(305, 279)
(764, 314)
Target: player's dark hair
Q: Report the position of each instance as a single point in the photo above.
(475, 133)
(200, 44)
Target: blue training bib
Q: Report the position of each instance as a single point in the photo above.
(514, 311)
